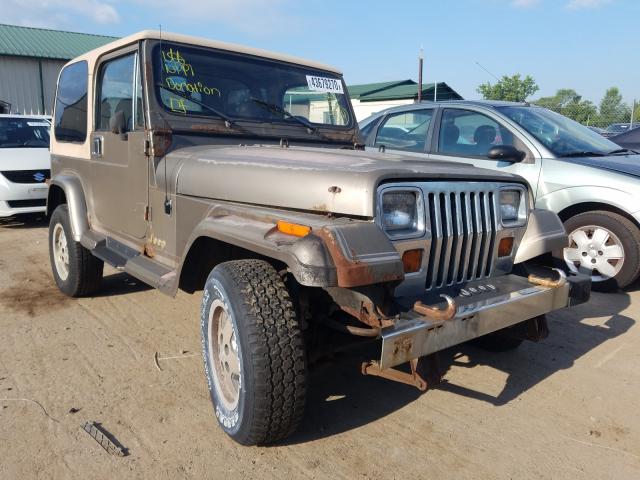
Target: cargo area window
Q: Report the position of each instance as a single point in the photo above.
(405, 130)
(70, 122)
(119, 84)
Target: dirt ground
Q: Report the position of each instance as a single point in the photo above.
(562, 409)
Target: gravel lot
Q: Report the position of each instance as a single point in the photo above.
(562, 409)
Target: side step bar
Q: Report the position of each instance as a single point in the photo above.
(131, 261)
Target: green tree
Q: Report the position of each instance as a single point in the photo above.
(567, 102)
(613, 109)
(636, 112)
(512, 89)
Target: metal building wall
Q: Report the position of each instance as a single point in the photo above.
(20, 83)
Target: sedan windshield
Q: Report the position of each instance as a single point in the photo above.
(24, 133)
(562, 136)
(230, 86)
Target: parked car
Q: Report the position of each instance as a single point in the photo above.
(591, 183)
(599, 130)
(25, 164)
(618, 128)
(215, 168)
(629, 140)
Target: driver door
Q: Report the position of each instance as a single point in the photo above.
(119, 164)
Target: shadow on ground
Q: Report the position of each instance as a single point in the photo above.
(27, 220)
(340, 398)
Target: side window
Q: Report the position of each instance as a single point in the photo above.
(468, 133)
(405, 130)
(119, 90)
(70, 123)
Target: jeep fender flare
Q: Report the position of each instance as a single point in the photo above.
(75, 200)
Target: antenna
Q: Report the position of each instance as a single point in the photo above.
(420, 66)
(478, 63)
(167, 201)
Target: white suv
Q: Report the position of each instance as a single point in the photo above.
(25, 164)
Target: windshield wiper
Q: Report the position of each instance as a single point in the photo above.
(228, 121)
(582, 154)
(272, 107)
(622, 150)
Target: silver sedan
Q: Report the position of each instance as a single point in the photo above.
(590, 182)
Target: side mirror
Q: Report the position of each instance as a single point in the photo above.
(508, 153)
(118, 124)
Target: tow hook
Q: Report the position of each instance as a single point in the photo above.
(425, 372)
(433, 313)
(548, 282)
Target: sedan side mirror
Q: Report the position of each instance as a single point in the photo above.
(508, 153)
(118, 124)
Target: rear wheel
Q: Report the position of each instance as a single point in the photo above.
(75, 271)
(253, 352)
(605, 244)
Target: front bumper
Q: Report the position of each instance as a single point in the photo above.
(17, 198)
(484, 307)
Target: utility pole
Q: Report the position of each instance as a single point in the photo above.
(420, 65)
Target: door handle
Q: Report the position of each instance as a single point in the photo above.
(97, 146)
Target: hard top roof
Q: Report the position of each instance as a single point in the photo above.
(92, 56)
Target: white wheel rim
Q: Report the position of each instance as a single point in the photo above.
(224, 355)
(596, 249)
(60, 251)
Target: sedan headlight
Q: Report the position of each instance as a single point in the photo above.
(402, 213)
(512, 207)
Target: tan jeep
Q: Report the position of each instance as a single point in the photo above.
(201, 165)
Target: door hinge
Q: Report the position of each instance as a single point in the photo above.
(147, 147)
(147, 213)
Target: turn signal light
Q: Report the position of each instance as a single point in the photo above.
(293, 229)
(505, 247)
(412, 260)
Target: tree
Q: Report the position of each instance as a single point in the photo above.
(613, 109)
(636, 112)
(567, 102)
(512, 89)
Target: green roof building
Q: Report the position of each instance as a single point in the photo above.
(30, 60)
(370, 98)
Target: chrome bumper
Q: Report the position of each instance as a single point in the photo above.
(483, 307)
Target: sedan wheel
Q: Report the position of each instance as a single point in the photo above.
(595, 249)
(605, 244)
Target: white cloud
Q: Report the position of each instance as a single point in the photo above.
(524, 3)
(57, 13)
(580, 4)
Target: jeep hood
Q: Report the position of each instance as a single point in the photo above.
(315, 179)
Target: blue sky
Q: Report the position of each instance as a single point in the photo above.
(587, 45)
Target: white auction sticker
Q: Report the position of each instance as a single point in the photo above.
(324, 84)
(38, 124)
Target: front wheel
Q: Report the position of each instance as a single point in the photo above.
(605, 244)
(75, 271)
(253, 352)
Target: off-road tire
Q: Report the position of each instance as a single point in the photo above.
(629, 236)
(270, 346)
(85, 271)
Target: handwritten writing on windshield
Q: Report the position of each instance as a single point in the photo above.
(181, 85)
(175, 64)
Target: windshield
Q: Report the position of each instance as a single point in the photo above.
(211, 83)
(560, 135)
(24, 133)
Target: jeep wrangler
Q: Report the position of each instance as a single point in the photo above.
(198, 165)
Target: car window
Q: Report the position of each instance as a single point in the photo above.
(405, 130)
(119, 85)
(24, 132)
(71, 104)
(469, 133)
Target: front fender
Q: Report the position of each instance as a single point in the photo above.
(545, 233)
(74, 193)
(559, 200)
